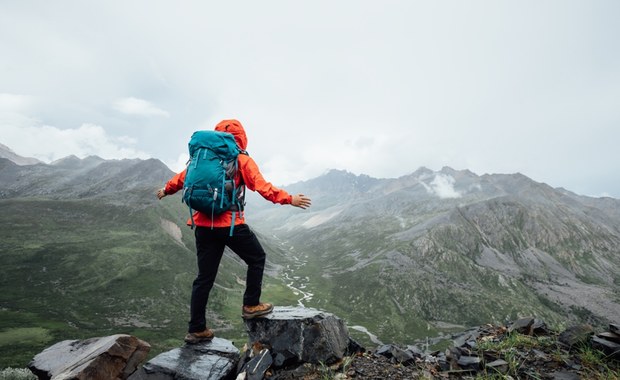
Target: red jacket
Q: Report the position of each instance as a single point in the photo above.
(252, 178)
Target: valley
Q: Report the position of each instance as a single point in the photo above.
(87, 250)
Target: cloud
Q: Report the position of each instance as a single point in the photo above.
(48, 143)
(442, 186)
(14, 102)
(140, 107)
(179, 164)
(431, 78)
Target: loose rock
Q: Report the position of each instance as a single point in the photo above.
(575, 335)
(213, 360)
(105, 358)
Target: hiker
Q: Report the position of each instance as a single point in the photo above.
(214, 233)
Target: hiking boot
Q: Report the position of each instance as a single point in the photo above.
(249, 312)
(197, 337)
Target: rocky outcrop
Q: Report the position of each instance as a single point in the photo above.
(300, 343)
(609, 342)
(106, 358)
(295, 335)
(289, 337)
(213, 360)
(524, 349)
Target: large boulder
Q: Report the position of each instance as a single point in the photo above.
(106, 358)
(296, 335)
(213, 360)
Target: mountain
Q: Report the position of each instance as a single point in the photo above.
(405, 258)
(87, 250)
(6, 152)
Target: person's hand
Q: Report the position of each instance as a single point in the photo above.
(301, 201)
(161, 193)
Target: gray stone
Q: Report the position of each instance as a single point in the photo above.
(574, 335)
(466, 338)
(469, 362)
(213, 360)
(610, 348)
(300, 335)
(415, 351)
(529, 326)
(564, 375)
(614, 328)
(398, 354)
(384, 350)
(498, 365)
(609, 336)
(258, 365)
(354, 347)
(110, 357)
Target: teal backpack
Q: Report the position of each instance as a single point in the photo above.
(209, 185)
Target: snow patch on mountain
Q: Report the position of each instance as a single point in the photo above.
(442, 185)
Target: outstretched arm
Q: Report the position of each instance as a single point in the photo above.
(254, 181)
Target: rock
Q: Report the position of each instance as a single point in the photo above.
(469, 362)
(300, 335)
(384, 350)
(529, 326)
(401, 356)
(258, 365)
(354, 347)
(564, 375)
(576, 335)
(213, 360)
(110, 357)
(610, 348)
(466, 338)
(609, 336)
(453, 355)
(614, 328)
(415, 351)
(254, 362)
(499, 366)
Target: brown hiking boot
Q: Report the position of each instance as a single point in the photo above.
(249, 312)
(197, 337)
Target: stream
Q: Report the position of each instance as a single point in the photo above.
(299, 286)
(295, 282)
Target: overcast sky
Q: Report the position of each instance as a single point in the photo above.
(374, 87)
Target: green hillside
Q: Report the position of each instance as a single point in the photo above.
(82, 268)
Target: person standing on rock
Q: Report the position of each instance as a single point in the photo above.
(213, 235)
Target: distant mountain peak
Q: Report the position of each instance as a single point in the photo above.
(8, 153)
(338, 173)
(66, 161)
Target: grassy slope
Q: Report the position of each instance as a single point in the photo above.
(403, 290)
(78, 269)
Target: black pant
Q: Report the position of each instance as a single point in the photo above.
(210, 244)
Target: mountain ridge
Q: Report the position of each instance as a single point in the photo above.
(486, 243)
(8, 153)
(399, 257)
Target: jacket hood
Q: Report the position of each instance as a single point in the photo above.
(235, 128)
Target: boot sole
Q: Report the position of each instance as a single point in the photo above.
(197, 340)
(257, 314)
